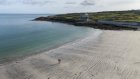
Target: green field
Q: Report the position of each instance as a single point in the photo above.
(129, 16)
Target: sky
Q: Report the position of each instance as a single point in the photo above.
(65, 6)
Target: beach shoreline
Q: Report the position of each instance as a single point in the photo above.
(102, 54)
(9, 60)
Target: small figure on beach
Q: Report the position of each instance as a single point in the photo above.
(59, 61)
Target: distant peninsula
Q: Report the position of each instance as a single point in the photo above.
(110, 20)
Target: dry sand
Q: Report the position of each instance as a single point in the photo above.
(106, 55)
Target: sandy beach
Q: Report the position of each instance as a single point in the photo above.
(101, 55)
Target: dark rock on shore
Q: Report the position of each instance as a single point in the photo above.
(76, 22)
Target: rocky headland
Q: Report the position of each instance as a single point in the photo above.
(125, 20)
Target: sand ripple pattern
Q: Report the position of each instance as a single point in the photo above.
(101, 55)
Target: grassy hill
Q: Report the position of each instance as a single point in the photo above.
(122, 16)
(129, 16)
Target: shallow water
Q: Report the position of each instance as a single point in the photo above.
(19, 36)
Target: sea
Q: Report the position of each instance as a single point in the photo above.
(20, 36)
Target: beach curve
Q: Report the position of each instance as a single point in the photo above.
(101, 55)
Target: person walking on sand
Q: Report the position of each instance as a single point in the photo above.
(59, 61)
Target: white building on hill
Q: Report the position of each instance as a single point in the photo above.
(84, 17)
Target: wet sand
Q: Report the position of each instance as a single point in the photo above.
(101, 55)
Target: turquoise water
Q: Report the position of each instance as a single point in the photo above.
(19, 36)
